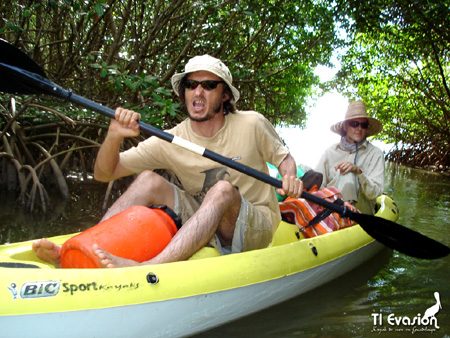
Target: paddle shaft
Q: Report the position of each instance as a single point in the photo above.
(45, 85)
(177, 140)
(199, 150)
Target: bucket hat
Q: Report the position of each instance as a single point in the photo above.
(209, 64)
(356, 110)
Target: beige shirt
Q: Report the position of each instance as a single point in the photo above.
(246, 137)
(369, 159)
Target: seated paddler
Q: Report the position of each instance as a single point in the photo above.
(354, 165)
(218, 206)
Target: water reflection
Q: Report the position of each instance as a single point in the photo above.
(325, 307)
(423, 199)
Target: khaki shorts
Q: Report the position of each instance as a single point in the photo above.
(253, 230)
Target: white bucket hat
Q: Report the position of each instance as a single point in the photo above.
(356, 110)
(209, 64)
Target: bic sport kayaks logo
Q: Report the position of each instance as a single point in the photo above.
(419, 323)
(51, 288)
(41, 289)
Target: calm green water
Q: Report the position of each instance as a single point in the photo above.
(391, 283)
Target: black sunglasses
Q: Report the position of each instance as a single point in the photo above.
(356, 124)
(207, 84)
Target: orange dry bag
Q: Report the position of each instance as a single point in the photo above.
(138, 233)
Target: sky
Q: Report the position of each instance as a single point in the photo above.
(307, 145)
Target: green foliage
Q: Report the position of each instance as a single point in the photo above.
(397, 61)
(395, 56)
(125, 52)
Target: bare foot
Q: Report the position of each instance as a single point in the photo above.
(47, 251)
(108, 260)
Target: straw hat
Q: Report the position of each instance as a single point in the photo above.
(356, 110)
(209, 64)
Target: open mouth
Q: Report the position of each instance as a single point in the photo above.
(199, 104)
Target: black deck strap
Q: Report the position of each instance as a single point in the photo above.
(324, 214)
(176, 219)
(18, 265)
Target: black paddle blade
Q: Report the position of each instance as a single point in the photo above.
(400, 238)
(12, 56)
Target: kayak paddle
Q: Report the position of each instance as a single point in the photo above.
(19, 74)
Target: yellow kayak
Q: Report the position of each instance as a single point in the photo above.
(174, 299)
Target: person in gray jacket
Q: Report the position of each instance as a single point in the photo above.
(354, 165)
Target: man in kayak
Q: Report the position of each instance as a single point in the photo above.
(218, 205)
(355, 166)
